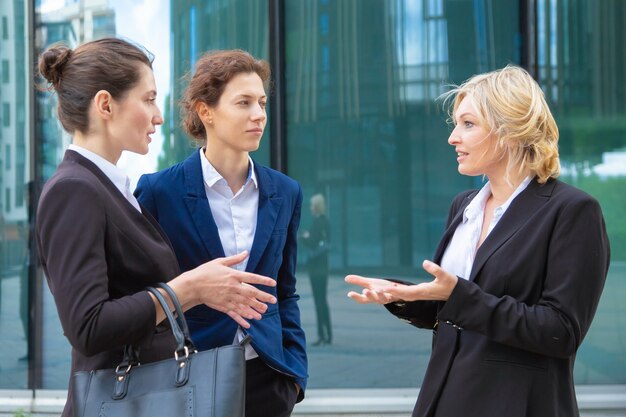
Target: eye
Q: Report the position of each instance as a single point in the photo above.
(262, 104)
(243, 102)
(468, 124)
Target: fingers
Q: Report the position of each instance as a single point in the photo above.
(257, 298)
(251, 278)
(233, 260)
(361, 281)
(370, 297)
(431, 267)
(252, 293)
(240, 320)
(358, 297)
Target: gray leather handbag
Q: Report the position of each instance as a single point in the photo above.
(190, 384)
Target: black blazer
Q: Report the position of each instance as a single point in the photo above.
(318, 244)
(98, 254)
(504, 343)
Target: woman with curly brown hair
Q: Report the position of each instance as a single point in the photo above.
(220, 201)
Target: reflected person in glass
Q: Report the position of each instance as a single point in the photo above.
(220, 201)
(519, 270)
(99, 249)
(316, 239)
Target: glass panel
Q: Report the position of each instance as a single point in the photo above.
(202, 26)
(14, 178)
(364, 130)
(581, 67)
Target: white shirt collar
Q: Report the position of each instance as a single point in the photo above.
(115, 174)
(477, 205)
(212, 177)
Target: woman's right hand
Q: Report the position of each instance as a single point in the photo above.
(223, 288)
(373, 290)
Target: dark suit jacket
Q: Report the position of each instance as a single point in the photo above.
(177, 199)
(318, 244)
(98, 254)
(506, 339)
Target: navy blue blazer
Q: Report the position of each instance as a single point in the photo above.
(177, 199)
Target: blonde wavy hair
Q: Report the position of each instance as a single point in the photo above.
(512, 105)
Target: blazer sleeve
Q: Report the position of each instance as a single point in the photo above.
(71, 229)
(575, 272)
(293, 335)
(423, 314)
(145, 196)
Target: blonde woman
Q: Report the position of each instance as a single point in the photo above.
(520, 268)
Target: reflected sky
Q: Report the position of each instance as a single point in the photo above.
(146, 22)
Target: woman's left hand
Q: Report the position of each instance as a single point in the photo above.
(383, 291)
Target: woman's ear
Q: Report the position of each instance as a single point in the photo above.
(102, 103)
(205, 113)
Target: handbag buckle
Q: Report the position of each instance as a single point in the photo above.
(186, 349)
(117, 369)
(120, 387)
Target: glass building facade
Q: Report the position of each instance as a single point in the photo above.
(353, 116)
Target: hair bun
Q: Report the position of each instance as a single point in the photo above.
(52, 63)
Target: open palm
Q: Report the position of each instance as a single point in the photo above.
(381, 291)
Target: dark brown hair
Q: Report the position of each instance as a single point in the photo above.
(211, 74)
(77, 75)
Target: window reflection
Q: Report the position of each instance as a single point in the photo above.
(14, 177)
(362, 130)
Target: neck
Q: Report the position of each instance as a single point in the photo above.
(501, 189)
(97, 145)
(233, 166)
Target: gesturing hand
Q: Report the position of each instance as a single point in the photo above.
(382, 291)
(373, 291)
(228, 290)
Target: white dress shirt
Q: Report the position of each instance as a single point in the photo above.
(235, 216)
(117, 176)
(458, 257)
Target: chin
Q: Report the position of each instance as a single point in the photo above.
(253, 147)
(142, 151)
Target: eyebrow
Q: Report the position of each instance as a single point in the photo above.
(246, 95)
(460, 116)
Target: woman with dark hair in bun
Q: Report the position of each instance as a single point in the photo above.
(220, 201)
(99, 248)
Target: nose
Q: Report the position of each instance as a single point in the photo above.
(259, 113)
(453, 139)
(158, 118)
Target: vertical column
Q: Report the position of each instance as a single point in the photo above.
(528, 31)
(278, 145)
(35, 275)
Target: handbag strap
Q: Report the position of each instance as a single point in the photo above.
(183, 345)
(176, 330)
(180, 315)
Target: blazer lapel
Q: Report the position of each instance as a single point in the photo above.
(518, 213)
(449, 232)
(269, 206)
(198, 206)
